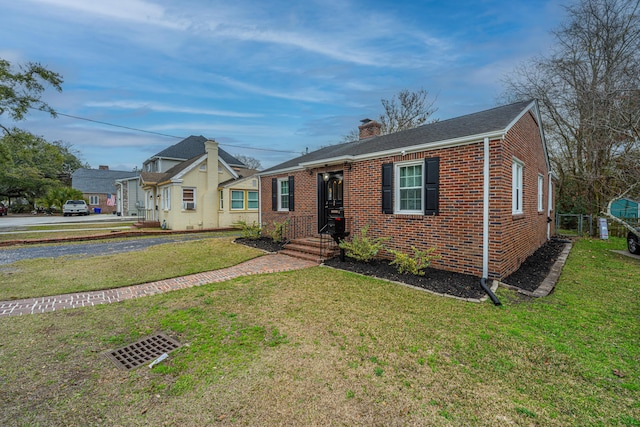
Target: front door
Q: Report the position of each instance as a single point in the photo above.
(329, 196)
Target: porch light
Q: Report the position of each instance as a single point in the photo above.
(325, 176)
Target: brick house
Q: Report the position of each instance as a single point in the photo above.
(104, 189)
(477, 187)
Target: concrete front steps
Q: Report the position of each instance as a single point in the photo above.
(315, 248)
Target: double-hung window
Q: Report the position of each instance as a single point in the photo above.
(166, 198)
(517, 186)
(252, 200)
(244, 200)
(283, 194)
(540, 193)
(410, 188)
(94, 200)
(237, 200)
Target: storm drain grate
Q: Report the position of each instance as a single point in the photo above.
(143, 351)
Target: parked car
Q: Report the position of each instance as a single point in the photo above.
(75, 207)
(633, 243)
(3, 209)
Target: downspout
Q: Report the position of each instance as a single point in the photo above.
(549, 201)
(260, 200)
(485, 226)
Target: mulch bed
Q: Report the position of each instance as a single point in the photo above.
(530, 275)
(536, 268)
(440, 281)
(264, 243)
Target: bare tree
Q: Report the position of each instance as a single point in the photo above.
(406, 110)
(589, 91)
(250, 162)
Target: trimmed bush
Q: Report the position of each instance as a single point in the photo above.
(251, 232)
(406, 263)
(363, 248)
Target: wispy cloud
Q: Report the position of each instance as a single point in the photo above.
(307, 95)
(165, 108)
(138, 11)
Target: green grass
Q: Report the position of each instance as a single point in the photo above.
(324, 347)
(53, 276)
(56, 231)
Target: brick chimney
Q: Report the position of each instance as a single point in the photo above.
(369, 128)
(103, 167)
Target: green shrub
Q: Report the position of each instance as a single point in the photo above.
(363, 248)
(405, 263)
(252, 232)
(279, 230)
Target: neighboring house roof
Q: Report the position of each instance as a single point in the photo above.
(159, 178)
(191, 147)
(488, 122)
(154, 178)
(98, 180)
(242, 175)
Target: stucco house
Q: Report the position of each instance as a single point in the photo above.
(209, 190)
(104, 189)
(478, 188)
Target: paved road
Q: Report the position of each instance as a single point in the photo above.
(10, 255)
(12, 222)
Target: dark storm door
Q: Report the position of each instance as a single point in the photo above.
(330, 196)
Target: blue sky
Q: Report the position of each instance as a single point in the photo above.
(266, 79)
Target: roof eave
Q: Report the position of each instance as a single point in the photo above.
(455, 142)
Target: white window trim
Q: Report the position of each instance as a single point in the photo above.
(396, 190)
(540, 193)
(517, 178)
(280, 181)
(94, 200)
(195, 197)
(166, 198)
(244, 200)
(221, 205)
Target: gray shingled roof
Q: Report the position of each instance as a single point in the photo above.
(493, 120)
(193, 146)
(155, 177)
(98, 180)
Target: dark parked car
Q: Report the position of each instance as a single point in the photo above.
(633, 243)
(3, 209)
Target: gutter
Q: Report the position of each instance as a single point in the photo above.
(349, 158)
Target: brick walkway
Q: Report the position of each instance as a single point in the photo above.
(264, 264)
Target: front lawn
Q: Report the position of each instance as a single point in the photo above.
(53, 276)
(327, 347)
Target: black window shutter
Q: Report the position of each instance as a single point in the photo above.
(387, 188)
(274, 194)
(291, 198)
(431, 185)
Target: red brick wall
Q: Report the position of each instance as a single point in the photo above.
(518, 236)
(102, 199)
(457, 231)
